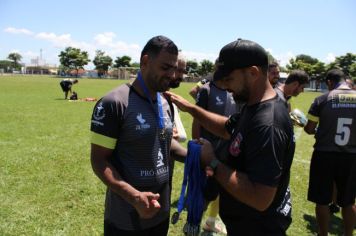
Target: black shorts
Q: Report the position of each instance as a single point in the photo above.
(266, 226)
(158, 230)
(65, 86)
(327, 168)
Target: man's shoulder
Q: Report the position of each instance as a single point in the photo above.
(280, 93)
(118, 94)
(270, 112)
(205, 87)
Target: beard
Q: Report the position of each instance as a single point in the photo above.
(242, 95)
(174, 84)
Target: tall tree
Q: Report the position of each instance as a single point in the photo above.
(312, 66)
(352, 70)
(135, 64)
(102, 62)
(73, 58)
(15, 57)
(124, 61)
(192, 67)
(346, 63)
(206, 67)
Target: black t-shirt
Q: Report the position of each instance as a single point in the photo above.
(261, 146)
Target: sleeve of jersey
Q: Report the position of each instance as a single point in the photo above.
(231, 123)
(105, 123)
(202, 98)
(265, 152)
(314, 111)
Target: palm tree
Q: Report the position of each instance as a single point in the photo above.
(15, 57)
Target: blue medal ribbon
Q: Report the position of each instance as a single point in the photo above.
(160, 116)
(194, 181)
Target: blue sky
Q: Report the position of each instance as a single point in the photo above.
(323, 29)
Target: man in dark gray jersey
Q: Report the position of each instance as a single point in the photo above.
(334, 156)
(131, 132)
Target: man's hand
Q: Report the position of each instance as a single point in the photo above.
(175, 133)
(147, 205)
(207, 152)
(181, 103)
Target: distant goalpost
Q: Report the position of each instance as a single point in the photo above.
(124, 72)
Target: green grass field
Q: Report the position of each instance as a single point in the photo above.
(47, 186)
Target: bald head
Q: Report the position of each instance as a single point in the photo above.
(181, 71)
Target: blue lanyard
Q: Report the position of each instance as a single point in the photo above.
(195, 178)
(160, 116)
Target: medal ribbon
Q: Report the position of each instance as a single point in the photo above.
(160, 116)
(195, 178)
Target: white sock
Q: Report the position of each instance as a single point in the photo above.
(211, 220)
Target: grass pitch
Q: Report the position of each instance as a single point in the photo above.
(47, 186)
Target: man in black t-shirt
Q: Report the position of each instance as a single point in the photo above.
(254, 178)
(334, 151)
(212, 98)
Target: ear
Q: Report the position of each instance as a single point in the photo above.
(254, 72)
(295, 84)
(144, 62)
(330, 84)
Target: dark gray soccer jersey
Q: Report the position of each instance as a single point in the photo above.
(127, 123)
(335, 112)
(216, 100)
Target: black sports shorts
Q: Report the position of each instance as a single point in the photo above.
(327, 168)
(65, 86)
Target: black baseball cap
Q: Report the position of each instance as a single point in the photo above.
(239, 54)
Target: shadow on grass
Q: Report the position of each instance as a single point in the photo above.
(175, 204)
(335, 226)
(206, 233)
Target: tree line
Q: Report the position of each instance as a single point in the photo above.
(75, 59)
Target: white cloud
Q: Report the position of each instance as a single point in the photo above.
(15, 51)
(330, 57)
(269, 50)
(18, 31)
(63, 40)
(105, 39)
(30, 54)
(283, 58)
(199, 56)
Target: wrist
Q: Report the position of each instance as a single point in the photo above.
(213, 165)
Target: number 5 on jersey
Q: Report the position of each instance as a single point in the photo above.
(343, 131)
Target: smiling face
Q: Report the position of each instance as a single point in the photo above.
(179, 74)
(273, 75)
(158, 71)
(237, 83)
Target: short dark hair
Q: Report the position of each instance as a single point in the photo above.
(158, 43)
(335, 75)
(297, 75)
(272, 65)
